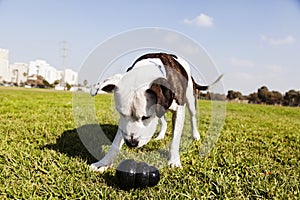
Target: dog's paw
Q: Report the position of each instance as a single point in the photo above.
(196, 135)
(175, 164)
(160, 137)
(161, 134)
(98, 167)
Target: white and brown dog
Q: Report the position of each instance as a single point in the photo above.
(155, 83)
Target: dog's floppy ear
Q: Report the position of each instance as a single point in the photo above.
(108, 85)
(161, 90)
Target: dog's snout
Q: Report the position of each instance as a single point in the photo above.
(131, 142)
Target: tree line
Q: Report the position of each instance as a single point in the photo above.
(40, 82)
(265, 96)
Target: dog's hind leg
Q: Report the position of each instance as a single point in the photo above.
(174, 159)
(192, 107)
(109, 158)
(163, 128)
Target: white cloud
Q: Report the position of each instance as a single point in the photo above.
(278, 41)
(274, 68)
(202, 20)
(190, 49)
(242, 76)
(241, 62)
(171, 37)
(248, 80)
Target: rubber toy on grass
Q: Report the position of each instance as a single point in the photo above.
(131, 174)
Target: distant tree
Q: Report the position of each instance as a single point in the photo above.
(39, 82)
(274, 97)
(21, 84)
(40, 78)
(233, 95)
(68, 86)
(85, 82)
(253, 98)
(291, 98)
(47, 84)
(205, 96)
(217, 96)
(25, 75)
(263, 94)
(56, 82)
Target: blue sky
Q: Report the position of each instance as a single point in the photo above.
(253, 43)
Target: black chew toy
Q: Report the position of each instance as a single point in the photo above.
(131, 174)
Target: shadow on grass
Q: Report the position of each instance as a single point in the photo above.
(70, 143)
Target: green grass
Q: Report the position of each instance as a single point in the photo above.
(41, 155)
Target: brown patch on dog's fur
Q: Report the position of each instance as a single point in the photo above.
(175, 74)
(164, 95)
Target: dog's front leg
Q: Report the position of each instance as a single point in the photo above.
(109, 158)
(163, 129)
(174, 159)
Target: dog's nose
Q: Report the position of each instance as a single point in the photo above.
(131, 142)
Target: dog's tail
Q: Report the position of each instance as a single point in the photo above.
(207, 87)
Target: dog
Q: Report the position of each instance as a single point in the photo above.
(154, 84)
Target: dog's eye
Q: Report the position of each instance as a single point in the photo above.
(145, 117)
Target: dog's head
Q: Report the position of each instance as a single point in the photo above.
(140, 101)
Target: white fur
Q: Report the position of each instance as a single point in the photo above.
(163, 128)
(131, 103)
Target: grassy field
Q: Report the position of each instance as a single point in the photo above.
(41, 156)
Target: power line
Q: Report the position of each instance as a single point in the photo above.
(64, 57)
